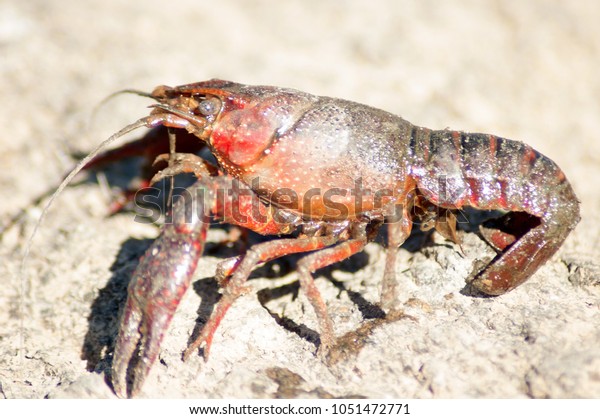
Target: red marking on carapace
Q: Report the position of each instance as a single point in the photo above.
(241, 139)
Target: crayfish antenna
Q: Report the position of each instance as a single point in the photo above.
(117, 93)
(82, 163)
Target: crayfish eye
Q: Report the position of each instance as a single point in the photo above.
(208, 107)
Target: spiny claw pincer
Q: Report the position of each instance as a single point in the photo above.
(156, 288)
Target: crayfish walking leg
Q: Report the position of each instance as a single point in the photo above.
(235, 285)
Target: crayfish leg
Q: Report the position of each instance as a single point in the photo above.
(235, 286)
(397, 234)
(309, 264)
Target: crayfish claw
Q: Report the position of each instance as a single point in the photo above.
(156, 288)
(145, 320)
(127, 343)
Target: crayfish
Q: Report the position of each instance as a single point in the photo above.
(326, 174)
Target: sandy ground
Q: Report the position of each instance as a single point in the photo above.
(522, 70)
